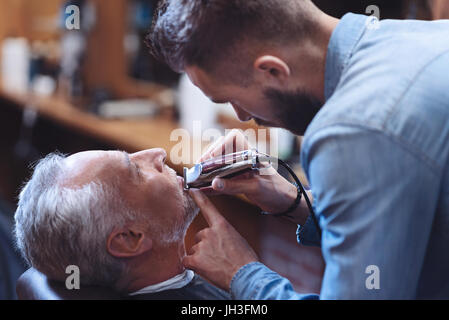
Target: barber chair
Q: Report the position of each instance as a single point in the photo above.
(33, 285)
(11, 264)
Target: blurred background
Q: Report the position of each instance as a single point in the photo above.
(96, 87)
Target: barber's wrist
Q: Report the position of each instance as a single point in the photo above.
(297, 212)
(301, 213)
(289, 210)
(293, 193)
(288, 200)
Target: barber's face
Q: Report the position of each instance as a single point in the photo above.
(291, 110)
(145, 182)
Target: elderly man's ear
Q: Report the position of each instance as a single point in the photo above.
(128, 242)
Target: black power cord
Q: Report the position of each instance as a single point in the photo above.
(299, 185)
(303, 191)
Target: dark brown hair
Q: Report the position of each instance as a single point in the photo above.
(202, 32)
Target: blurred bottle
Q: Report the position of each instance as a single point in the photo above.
(195, 109)
(16, 65)
(74, 47)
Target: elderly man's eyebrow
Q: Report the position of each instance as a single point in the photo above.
(127, 160)
(133, 169)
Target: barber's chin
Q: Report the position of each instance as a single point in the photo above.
(264, 123)
(299, 130)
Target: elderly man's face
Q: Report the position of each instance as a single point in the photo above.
(145, 182)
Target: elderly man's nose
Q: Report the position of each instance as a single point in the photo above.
(151, 155)
(151, 158)
(158, 157)
(158, 152)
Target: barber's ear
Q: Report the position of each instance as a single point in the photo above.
(128, 243)
(272, 68)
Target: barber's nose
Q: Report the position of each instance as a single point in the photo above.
(242, 115)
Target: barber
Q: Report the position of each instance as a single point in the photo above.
(372, 99)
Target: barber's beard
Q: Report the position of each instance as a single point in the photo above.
(292, 110)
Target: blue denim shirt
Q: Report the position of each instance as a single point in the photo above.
(376, 156)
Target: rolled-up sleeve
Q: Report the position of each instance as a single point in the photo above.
(255, 281)
(308, 234)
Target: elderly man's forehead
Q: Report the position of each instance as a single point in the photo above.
(85, 167)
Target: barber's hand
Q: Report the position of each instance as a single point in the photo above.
(270, 191)
(220, 250)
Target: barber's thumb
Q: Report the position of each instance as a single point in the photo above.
(188, 262)
(219, 184)
(229, 186)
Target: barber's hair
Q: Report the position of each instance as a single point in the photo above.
(57, 226)
(202, 32)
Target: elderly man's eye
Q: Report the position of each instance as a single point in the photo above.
(139, 172)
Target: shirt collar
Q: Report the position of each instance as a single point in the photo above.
(178, 281)
(341, 46)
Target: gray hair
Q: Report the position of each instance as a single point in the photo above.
(57, 226)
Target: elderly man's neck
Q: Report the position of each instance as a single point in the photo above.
(157, 266)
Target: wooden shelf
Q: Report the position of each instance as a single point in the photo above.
(131, 135)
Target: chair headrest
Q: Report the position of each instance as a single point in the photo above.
(33, 285)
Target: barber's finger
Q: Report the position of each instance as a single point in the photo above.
(200, 236)
(207, 154)
(190, 262)
(194, 249)
(209, 191)
(234, 142)
(207, 208)
(235, 186)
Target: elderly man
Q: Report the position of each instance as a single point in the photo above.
(121, 218)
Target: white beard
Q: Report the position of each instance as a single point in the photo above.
(177, 231)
